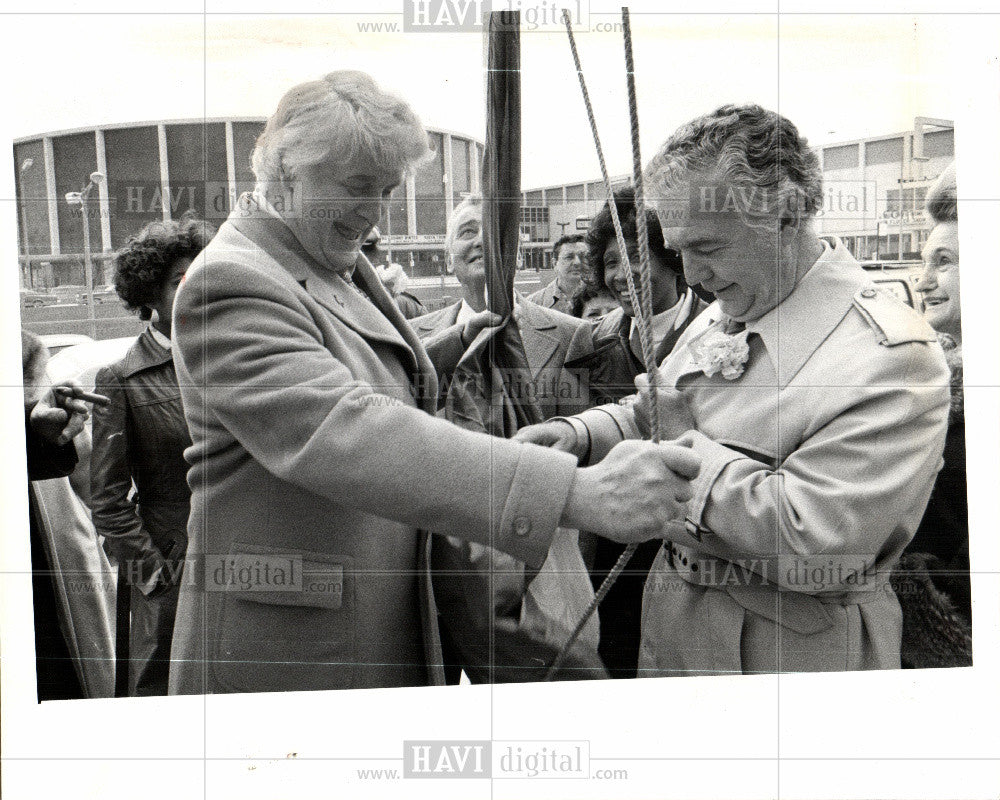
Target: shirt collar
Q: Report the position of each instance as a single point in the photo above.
(465, 312)
(667, 321)
(796, 327)
(162, 340)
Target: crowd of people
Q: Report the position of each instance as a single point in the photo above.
(291, 411)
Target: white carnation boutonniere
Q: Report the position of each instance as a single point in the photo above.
(718, 351)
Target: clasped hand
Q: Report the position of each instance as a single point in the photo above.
(676, 418)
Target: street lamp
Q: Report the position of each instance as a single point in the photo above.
(81, 197)
(25, 166)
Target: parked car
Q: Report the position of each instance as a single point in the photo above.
(104, 294)
(34, 299)
(900, 278)
(55, 342)
(69, 293)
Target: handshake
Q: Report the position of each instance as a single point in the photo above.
(639, 491)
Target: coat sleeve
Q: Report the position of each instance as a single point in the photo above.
(115, 516)
(256, 358)
(847, 487)
(46, 460)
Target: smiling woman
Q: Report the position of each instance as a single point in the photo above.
(939, 283)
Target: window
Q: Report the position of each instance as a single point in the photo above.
(843, 157)
(533, 198)
(884, 151)
(574, 194)
(461, 169)
(940, 144)
(75, 158)
(430, 191)
(535, 223)
(132, 156)
(196, 158)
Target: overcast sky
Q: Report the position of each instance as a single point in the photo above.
(836, 77)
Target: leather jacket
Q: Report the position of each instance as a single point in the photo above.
(139, 439)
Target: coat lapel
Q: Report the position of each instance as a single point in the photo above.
(436, 321)
(378, 320)
(146, 352)
(537, 334)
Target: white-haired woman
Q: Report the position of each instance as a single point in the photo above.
(316, 458)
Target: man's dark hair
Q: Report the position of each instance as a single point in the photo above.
(602, 232)
(571, 238)
(142, 266)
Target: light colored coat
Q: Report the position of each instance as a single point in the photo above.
(817, 464)
(315, 448)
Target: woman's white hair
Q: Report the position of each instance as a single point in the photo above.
(339, 117)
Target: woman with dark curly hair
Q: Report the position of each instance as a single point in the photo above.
(139, 440)
(617, 358)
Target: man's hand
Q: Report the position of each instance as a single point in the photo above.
(675, 414)
(635, 493)
(61, 412)
(477, 323)
(555, 433)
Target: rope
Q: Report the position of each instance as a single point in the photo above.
(644, 309)
(641, 230)
(645, 327)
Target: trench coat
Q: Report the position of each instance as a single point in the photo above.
(316, 466)
(817, 464)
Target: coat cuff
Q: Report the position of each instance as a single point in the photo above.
(606, 426)
(535, 503)
(714, 458)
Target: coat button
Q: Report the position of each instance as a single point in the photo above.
(868, 293)
(684, 561)
(522, 526)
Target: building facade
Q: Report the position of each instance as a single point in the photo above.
(160, 170)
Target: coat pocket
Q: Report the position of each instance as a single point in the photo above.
(286, 620)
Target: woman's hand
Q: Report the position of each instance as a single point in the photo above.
(477, 323)
(676, 418)
(634, 493)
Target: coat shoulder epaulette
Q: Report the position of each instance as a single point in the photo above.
(893, 321)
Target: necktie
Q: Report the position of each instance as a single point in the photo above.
(731, 326)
